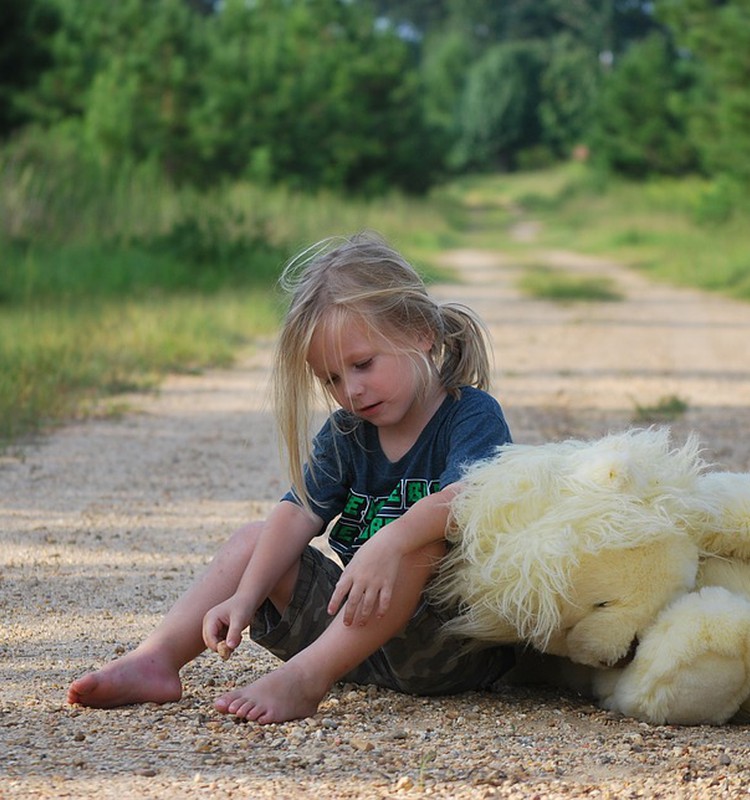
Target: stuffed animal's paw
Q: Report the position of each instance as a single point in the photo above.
(693, 666)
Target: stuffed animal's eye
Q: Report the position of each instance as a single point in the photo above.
(603, 604)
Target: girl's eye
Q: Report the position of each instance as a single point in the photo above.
(364, 364)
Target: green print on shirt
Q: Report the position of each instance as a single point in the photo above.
(363, 516)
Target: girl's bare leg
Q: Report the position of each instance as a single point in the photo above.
(150, 673)
(296, 688)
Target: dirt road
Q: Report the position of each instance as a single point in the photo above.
(103, 523)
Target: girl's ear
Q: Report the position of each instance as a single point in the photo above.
(425, 340)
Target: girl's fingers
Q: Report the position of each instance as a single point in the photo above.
(207, 632)
(209, 639)
(384, 601)
(352, 607)
(214, 630)
(359, 604)
(366, 606)
(339, 593)
(233, 639)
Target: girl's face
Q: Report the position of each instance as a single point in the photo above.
(366, 373)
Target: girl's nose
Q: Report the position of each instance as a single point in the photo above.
(354, 387)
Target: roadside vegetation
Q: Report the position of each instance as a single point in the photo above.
(667, 409)
(154, 178)
(671, 229)
(548, 283)
(103, 293)
(183, 282)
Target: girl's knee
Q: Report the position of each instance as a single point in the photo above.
(245, 537)
(251, 529)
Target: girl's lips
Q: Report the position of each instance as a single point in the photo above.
(367, 410)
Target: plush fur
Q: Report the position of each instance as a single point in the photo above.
(692, 668)
(531, 520)
(723, 527)
(583, 549)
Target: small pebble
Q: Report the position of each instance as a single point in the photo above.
(223, 649)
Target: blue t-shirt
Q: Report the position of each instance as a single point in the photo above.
(350, 477)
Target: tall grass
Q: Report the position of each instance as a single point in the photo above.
(57, 362)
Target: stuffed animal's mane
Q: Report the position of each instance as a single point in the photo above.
(524, 519)
(724, 530)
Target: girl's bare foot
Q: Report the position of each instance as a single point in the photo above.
(134, 678)
(286, 693)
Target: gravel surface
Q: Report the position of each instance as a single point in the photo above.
(104, 523)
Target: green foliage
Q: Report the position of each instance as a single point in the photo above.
(26, 27)
(498, 108)
(52, 190)
(717, 36)
(355, 96)
(568, 88)
(446, 56)
(340, 102)
(641, 126)
(311, 93)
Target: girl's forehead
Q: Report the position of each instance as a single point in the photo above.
(342, 335)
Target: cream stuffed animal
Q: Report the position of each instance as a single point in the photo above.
(622, 555)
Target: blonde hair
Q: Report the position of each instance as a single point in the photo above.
(364, 276)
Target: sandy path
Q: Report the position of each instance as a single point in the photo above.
(103, 524)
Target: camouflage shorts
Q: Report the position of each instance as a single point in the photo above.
(419, 660)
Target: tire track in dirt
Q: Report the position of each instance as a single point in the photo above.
(585, 368)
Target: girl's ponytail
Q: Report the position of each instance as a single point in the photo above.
(463, 354)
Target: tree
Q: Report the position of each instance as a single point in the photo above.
(499, 106)
(715, 34)
(312, 93)
(139, 101)
(568, 87)
(446, 57)
(26, 29)
(124, 77)
(640, 125)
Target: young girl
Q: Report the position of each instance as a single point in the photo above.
(407, 378)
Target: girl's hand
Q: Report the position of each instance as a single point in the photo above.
(225, 623)
(368, 581)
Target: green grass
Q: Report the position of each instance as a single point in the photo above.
(667, 245)
(564, 287)
(59, 363)
(38, 274)
(666, 409)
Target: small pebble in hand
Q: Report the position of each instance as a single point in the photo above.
(224, 650)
